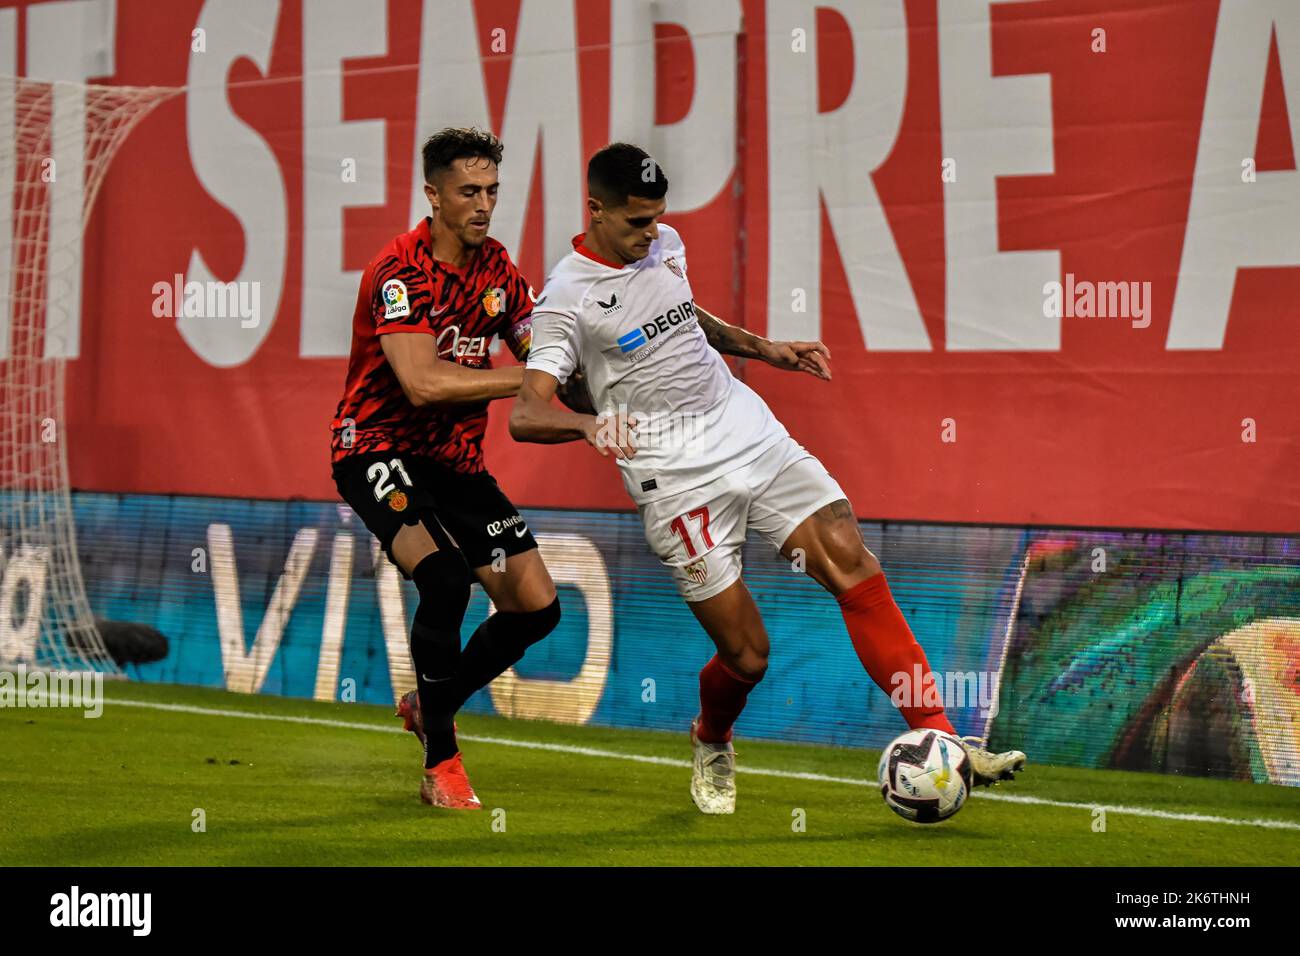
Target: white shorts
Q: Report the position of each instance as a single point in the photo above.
(698, 534)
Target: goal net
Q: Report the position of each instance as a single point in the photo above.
(56, 141)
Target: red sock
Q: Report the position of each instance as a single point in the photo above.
(886, 647)
(722, 698)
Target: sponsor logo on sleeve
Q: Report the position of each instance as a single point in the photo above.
(396, 302)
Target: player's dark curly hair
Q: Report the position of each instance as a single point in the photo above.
(621, 170)
(452, 143)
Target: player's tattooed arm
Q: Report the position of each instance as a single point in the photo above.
(535, 419)
(729, 339)
(429, 380)
(810, 357)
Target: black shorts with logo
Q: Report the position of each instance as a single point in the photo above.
(390, 489)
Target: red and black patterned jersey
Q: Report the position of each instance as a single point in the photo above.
(405, 289)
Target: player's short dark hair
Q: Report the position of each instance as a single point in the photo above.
(447, 145)
(621, 170)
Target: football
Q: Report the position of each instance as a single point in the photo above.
(924, 776)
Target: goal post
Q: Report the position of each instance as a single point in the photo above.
(56, 142)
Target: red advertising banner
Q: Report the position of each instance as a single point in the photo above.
(1053, 246)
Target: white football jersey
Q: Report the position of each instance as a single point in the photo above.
(633, 332)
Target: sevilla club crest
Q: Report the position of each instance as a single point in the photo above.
(674, 267)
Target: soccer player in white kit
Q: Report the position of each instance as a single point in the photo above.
(703, 457)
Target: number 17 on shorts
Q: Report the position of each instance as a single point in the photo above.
(698, 537)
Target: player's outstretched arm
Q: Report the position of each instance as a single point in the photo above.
(429, 380)
(536, 419)
(810, 357)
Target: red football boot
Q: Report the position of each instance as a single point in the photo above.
(408, 708)
(447, 785)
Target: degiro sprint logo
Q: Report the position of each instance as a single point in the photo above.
(640, 337)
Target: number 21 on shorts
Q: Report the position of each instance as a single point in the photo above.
(378, 475)
(699, 517)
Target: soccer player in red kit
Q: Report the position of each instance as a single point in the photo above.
(407, 444)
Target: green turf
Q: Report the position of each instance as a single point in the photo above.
(121, 790)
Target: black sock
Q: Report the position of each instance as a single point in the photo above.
(499, 643)
(435, 653)
(443, 582)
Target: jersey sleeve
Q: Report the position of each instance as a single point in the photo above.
(556, 347)
(400, 298)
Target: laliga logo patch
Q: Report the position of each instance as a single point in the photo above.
(494, 302)
(396, 304)
(397, 500)
(673, 267)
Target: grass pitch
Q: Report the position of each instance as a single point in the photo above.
(123, 790)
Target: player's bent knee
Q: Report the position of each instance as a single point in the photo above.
(541, 622)
(846, 559)
(865, 564)
(749, 664)
(528, 627)
(442, 579)
(411, 545)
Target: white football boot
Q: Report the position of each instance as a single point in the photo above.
(988, 768)
(713, 775)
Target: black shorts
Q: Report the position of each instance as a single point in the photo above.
(390, 489)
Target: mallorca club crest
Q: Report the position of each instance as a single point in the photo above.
(494, 302)
(674, 267)
(397, 500)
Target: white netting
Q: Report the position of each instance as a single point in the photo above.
(56, 140)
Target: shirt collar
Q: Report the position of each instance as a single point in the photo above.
(579, 246)
(425, 236)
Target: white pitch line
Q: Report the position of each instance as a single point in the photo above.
(1148, 812)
